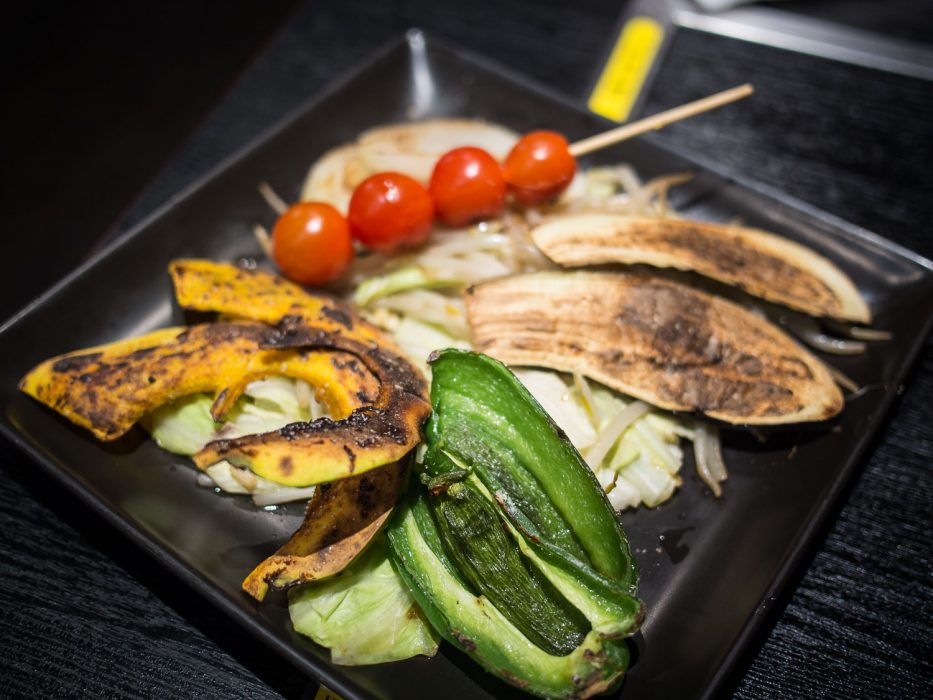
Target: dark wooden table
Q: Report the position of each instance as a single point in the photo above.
(86, 614)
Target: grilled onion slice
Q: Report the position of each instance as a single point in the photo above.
(410, 148)
(662, 342)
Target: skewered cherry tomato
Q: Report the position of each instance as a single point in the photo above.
(466, 185)
(539, 167)
(390, 212)
(311, 243)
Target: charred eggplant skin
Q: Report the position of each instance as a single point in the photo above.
(509, 504)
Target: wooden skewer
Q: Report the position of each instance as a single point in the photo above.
(659, 121)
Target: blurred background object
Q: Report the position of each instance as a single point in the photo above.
(98, 97)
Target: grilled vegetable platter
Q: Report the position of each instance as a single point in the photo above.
(463, 403)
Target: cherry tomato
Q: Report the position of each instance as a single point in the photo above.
(539, 167)
(467, 184)
(390, 212)
(311, 243)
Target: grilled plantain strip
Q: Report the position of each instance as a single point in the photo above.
(659, 341)
(761, 263)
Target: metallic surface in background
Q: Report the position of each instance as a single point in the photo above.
(777, 25)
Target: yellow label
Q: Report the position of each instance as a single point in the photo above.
(625, 71)
(326, 694)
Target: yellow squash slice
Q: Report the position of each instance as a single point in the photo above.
(659, 341)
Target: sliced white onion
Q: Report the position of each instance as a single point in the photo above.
(833, 346)
(465, 241)
(304, 394)
(618, 425)
(656, 189)
(429, 307)
(414, 148)
(286, 494)
(809, 332)
(333, 177)
(624, 494)
(708, 456)
(474, 267)
(245, 477)
(843, 380)
(860, 333)
(586, 397)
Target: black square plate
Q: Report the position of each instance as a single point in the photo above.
(709, 568)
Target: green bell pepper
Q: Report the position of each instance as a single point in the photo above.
(513, 551)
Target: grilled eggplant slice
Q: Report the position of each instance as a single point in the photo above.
(302, 454)
(106, 389)
(659, 341)
(761, 263)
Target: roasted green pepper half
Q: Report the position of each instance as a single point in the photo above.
(510, 546)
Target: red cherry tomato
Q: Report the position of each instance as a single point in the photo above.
(539, 167)
(311, 243)
(466, 185)
(390, 212)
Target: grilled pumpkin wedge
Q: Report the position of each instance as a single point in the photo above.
(302, 454)
(106, 389)
(206, 285)
(340, 520)
(760, 263)
(659, 341)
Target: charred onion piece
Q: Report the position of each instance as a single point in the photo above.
(340, 520)
(108, 388)
(656, 340)
(323, 450)
(761, 263)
